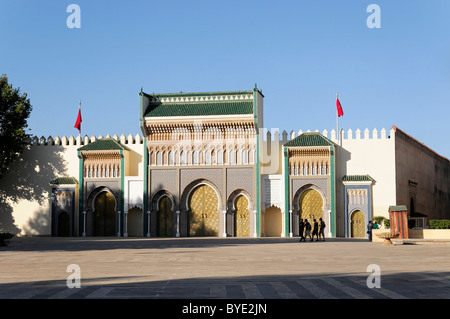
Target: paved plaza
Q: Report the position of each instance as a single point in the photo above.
(223, 268)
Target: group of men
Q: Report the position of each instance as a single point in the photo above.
(318, 230)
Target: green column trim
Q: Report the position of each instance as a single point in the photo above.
(258, 177)
(333, 192)
(144, 196)
(145, 181)
(80, 194)
(286, 190)
(122, 192)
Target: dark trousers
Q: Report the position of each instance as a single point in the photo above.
(302, 236)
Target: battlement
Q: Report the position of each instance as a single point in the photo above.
(349, 135)
(78, 141)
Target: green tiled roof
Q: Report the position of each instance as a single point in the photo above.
(200, 108)
(64, 181)
(399, 208)
(309, 139)
(104, 144)
(357, 178)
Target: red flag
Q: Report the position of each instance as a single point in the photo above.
(340, 111)
(78, 122)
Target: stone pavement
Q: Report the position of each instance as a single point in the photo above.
(223, 268)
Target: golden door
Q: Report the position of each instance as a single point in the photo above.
(204, 215)
(165, 217)
(242, 217)
(311, 205)
(104, 215)
(358, 225)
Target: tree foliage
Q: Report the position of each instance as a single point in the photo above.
(14, 112)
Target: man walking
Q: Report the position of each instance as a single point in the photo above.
(315, 231)
(322, 229)
(301, 229)
(307, 229)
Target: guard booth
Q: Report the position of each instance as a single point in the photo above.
(398, 218)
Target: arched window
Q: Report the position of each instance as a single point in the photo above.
(245, 157)
(170, 157)
(195, 157)
(232, 157)
(208, 157)
(183, 158)
(219, 159)
(158, 159)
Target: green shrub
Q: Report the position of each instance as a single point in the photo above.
(380, 220)
(439, 223)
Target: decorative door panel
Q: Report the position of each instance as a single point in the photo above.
(204, 215)
(311, 205)
(242, 217)
(357, 224)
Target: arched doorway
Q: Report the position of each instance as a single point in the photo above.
(311, 205)
(134, 223)
(165, 226)
(272, 222)
(104, 214)
(357, 224)
(241, 217)
(63, 224)
(203, 217)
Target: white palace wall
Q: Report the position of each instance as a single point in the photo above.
(368, 153)
(27, 184)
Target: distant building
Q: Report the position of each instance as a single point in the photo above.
(205, 166)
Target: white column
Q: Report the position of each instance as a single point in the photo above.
(148, 223)
(178, 223)
(84, 224)
(329, 223)
(255, 234)
(291, 234)
(118, 233)
(283, 222)
(263, 223)
(125, 232)
(224, 212)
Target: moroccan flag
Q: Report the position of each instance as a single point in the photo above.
(78, 122)
(340, 111)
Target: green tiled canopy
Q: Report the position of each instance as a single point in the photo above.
(64, 181)
(195, 109)
(197, 104)
(104, 144)
(357, 178)
(309, 139)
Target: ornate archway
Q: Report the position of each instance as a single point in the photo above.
(203, 214)
(63, 224)
(311, 205)
(165, 214)
(357, 224)
(104, 214)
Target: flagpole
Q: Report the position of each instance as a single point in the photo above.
(79, 134)
(338, 136)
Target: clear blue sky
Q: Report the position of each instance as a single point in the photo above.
(300, 53)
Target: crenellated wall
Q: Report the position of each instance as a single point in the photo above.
(25, 191)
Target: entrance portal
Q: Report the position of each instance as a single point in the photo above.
(165, 217)
(241, 217)
(204, 215)
(63, 224)
(311, 205)
(357, 224)
(104, 215)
